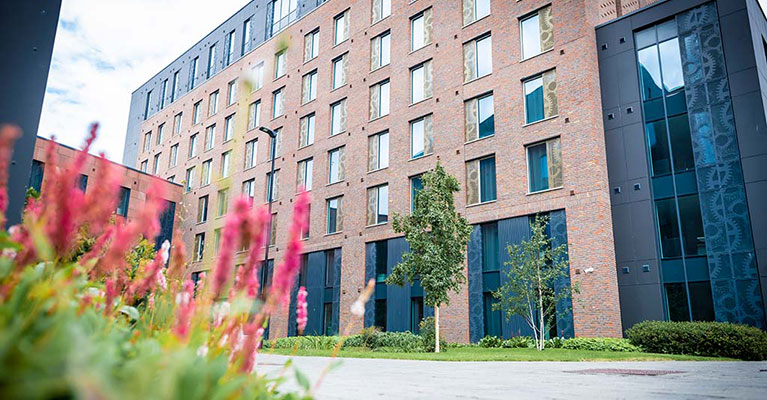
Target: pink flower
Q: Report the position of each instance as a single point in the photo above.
(184, 310)
(150, 279)
(255, 255)
(285, 274)
(178, 255)
(254, 332)
(110, 293)
(302, 313)
(229, 240)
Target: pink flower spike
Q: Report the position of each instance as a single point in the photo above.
(302, 313)
(285, 274)
(184, 310)
(229, 240)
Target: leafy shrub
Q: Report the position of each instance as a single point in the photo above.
(518, 342)
(717, 339)
(306, 342)
(491, 342)
(368, 336)
(427, 333)
(402, 341)
(555, 342)
(599, 344)
(353, 341)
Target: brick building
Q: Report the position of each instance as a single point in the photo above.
(367, 95)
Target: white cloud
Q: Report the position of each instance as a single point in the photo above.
(105, 49)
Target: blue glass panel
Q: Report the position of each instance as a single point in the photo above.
(486, 116)
(668, 228)
(487, 179)
(649, 73)
(660, 161)
(492, 317)
(490, 261)
(697, 268)
(676, 103)
(672, 270)
(538, 167)
(534, 100)
(681, 145)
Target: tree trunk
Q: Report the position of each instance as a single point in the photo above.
(436, 329)
(541, 317)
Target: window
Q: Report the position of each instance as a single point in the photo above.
(541, 97)
(416, 314)
(249, 188)
(122, 203)
(335, 222)
(537, 31)
(173, 159)
(148, 104)
(226, 161)
(251, 147)
(278, 102)
(163, 93)
(272, 191)
(147, 141)
(311, 45)
(231, 92)
(144, 165)
(213, 103)
(193, 145)
(160, 133)
(692, 241)
(229, 128)
(196, 112)
(327, 319)
(477, 58)
(304, 175)
(378, 151)
(336, 165)
(283, 13)
(223, 202)
(474, 10)
(341, 28)
(338, 117)
(306, 131)
(247, 36)
(189, 179)
(272, 242)
(193, 73)
(216, 240)
(207, 167)
(257, 76)
(254, 114)
(379, 100)
(378, 205)
(420, 30)
(381, 261)
(156, 164)
(380, 314)
(416, 184)
(479, 118)
(381, 9)
(177, 124)
(330, 270)
(339, 70)
(174, 87)
(275, 145)
(199, 246)
(309, 87)
(202, 209)
(380, 49)
(480, 180)
(212, 60)
(210, 137)
(421, 139)
(280, 67)
(420, 82)
(544, 165)
(229, 41)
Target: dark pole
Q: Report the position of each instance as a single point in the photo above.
(269, 199)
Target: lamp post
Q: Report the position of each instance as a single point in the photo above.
(269, 193)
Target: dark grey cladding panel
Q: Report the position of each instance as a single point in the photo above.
(512, 231)
(336, 289)
(397, 297)
(564, 309)
(474, 254)
(640, 303)
(315, 287)
(370, 265)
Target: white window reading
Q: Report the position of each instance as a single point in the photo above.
(254, 114)
(380, 9)
(341, 28)
(257, 76)
(189, 179)
(280, 64)
(309, 87)
(229, 128)
(212, 60)
(336, 165)
(477, 58)
(193, 73)
(537, 32)
(247, 36)
(156, 165)
(420, 82)
(177, 124)
(306, 131)
(160, 133)
(378, 205)
(206, 172)
(421, 140)
(380, 49)
(278, 102)
(229, 42)
(231, 93)
(251, 148)
(474, 10)
(226, 159)
(379, 100)
(378, 151)
(210, 137)
(283, 13)
(193, 145)
(213, 103)
(420, 30)
(196, 112)
(339, 71)
(144, 165)
(173, 159)
(338, 117)
(311, 45)
(304, 174)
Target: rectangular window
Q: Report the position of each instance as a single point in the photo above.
(330, 270)
(380, 49)
(278, 102)
(193, 145)
(206, 172)
(247, 36)
(421, 138)
(338, 117)
(272, 191)
(193, 68)
(144, 166)
(378, 205)
(163, 93)
(280, 64)
(156, 164)
(477, 58)
(480, 180)
(380, 314)
(177, 123)
(249, 188)
(479, 118)
(147, 141)
(309, 87)
(231, 96)
(335, 222)
(275, 145)
(379, 100)
(229, 43)
(216, 240)
(304, 175)
(541, 97)
(327, 319)
(223, 202)
(229, 128)
(254, 114)
(341, 28)
(420, 82)
(311, 45)
(196, 112)
(173, 159)
(123, 202)
(251, 147)
(189, 179)
(174, 87)
(283, 13)
(339, 70)
(692, 242)
(226, 161)
(148, 104)
(380, 9)
(537, 32)
(212, 60)
(213, 103)
(420, 30)
(416, 314)
(202, 209)
(381, 260)
(272, 242)
(210, 137)
(336, 165)
(160, 133)
(544, 165)
(416, 184)
(474, 10)
(257, 76)
(306, 131)
(199, 246)
(378, 151)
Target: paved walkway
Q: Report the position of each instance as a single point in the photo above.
(403, 379)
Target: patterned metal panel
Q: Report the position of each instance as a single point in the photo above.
(370, 270)
(558, 228)
(476, 321)
(397, 297)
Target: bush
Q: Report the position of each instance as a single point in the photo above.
(717, 339)
(306, 342)
(555, 342)
(518, 342)
(490, 342)
(400, 341)
(599, 344)
(427, 333)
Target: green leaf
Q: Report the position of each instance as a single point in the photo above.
(302, 380)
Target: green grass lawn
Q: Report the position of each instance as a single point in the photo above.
(483, 354)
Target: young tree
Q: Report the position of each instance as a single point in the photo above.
(532, 288)
(437, 236)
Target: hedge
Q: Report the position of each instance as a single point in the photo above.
(594, 344)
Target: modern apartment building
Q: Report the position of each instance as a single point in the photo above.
(366, 96)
